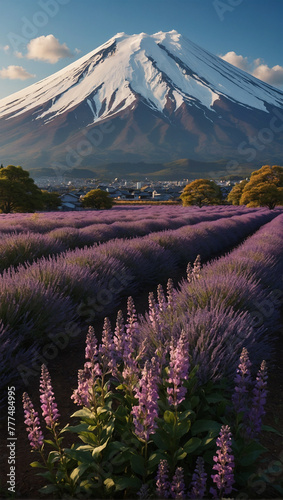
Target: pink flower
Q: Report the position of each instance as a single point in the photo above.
(35, 435)
(48, 404)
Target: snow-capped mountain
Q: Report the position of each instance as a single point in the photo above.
(141, 97)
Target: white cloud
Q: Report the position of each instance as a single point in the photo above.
(48, 49)
(274, 75)
(15, 73)
(238, 61)
(19, 55)
(5, 48)
(257, 68)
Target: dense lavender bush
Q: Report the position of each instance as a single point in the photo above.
(30, 308)
(25, 247)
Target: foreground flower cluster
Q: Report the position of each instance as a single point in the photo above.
(147, 427)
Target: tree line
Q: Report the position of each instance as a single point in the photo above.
(263, 189)
(19, 193)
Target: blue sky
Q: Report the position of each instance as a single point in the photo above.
(39, 37)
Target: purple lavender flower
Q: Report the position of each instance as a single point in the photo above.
(119, 336)
(146, 412)
(178, 369)
(254, 417)
(178, 484)
(107, 349)
(47, 399)
(242, 383)
(132, 329)
(162, 303)
(153, 313)
(198, 480)
(224, 464)
(163, 486)
(143, 492)
(197, 268)
(84, 395)
(35, 435)
(171, 293)
(91, 345)
(128, 345)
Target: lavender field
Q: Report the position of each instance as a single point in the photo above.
(163, 389)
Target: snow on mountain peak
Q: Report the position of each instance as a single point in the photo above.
(157, 68)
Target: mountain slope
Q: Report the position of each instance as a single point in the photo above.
(139, 98)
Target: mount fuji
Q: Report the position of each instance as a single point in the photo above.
(143, 98)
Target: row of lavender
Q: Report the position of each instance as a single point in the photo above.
(38, 299)
(32, 238)
(152, 395)
(43, 222)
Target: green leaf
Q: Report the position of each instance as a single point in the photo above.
(204, 426)
(206, 441)
(99, 449)
(169, 417)
(53, 457)
(49, 488)
(192, 445)
(78, 472)
(109, 483)
(180, 454)
(215, 398)
(194, 401)
(78, 455)
(122, 483)
(182, 428)
(49, 441)
(75, 428)
(251, 453)
(37, 464)
(84, 412)
(185, 414)
(154, 459)
(160, 441)
(137, 464)
(268, 428)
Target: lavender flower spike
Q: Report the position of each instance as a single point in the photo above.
(224, 464)
(146, 412)
(242, 383)
(47, 399)
(84, 395)
(254, 418)
(107, 349)
(163, 486)
(178, 370)
(35, 435)
(178, 485)
(198, 480)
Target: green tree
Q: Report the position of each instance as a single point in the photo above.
(96, 198)
(18, 192)
(235, 194)
(201, 192)
(50, 201)
(265, 188)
